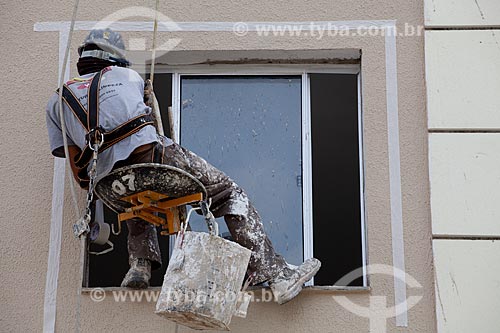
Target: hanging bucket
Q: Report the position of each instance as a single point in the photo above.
(202, 284)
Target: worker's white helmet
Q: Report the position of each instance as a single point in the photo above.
(104, 44)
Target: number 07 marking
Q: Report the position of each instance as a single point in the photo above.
(119, 188)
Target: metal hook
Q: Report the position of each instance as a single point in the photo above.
(213, 227)
(94, 146)
(119, 228)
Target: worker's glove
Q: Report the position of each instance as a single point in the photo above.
(148, 93)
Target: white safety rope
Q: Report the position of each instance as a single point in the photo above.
(155, 105)
(61, 113)
(155, 31)
(50, 316)
(68, 164)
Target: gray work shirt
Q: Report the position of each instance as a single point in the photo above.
(120, 99)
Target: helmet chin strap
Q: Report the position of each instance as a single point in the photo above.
(100, 54)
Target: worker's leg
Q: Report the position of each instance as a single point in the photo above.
(247, 230)
(143, 242)
(143, 247)
(142, 236)
(144, 254)
(230, 201)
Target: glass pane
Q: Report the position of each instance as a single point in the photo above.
(250, 128)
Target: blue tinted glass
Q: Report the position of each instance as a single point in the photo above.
(250, 128)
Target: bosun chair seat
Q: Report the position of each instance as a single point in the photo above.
(141, 191)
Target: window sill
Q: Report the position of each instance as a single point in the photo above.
(339, 289)
(87, 290)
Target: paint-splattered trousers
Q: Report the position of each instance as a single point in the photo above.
(228, 200)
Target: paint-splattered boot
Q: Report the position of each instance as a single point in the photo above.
(138, 275)
(288, 284)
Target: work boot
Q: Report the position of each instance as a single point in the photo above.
(288, 284)
(138, 275)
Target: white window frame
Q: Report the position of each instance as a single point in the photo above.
(304, 71)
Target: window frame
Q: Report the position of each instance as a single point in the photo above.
(307, 193)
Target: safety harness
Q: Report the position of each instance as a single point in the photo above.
(89, 119)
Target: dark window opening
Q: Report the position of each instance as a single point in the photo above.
(336, 176)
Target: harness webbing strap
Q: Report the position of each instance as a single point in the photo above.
(93, 102)
(110, 138)
(90, 122)
(75, 106)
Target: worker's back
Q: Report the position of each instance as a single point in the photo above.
(120, 99)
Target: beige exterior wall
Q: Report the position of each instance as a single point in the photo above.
(463, 105)
(30, 60)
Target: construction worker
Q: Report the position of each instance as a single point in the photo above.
(120, 102)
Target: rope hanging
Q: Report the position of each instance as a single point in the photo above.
(50, 318)
(155, 32)
(154, 102)
(61, 113)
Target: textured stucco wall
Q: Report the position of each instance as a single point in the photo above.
(30, 59)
